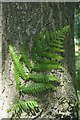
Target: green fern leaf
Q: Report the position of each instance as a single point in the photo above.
(66, 28)
(48, 38)
(37, 44)
(47, 61)
(55, 39)
(42, 78)
(19, 106)
(46, 55)
(31, 104)
(56, 45)
(24, 57)
(52, 56)
(58, 50)
(33, 53)
(17, 78)
(55, 49)
(45, 67)
(17, 63)
(44, 44)
(37, 88)
(59, 35)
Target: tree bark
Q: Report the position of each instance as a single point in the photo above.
(21, 21)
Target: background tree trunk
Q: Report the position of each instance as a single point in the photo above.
(21, 21)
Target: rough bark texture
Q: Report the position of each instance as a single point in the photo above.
(21, 21)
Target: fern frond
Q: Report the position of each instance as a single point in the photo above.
(60, 34)
(47, 61)
(17, 63)
(43, 42)
(50, 41)
(45, 67)
(17, 78)
(66, 28)
(55, 40)
(58, 50)
(52, 56)
(31, 104)
(24, 56)
(37, 44)
(26, 106)
(48, 37)
(46, 55)
(42, 78)
(56, 45)
(37, 88)
(33, 53)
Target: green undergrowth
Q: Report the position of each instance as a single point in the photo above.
(77, 53)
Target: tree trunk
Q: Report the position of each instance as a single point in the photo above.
(21, 21)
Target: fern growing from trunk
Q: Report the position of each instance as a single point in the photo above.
(45, 56)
